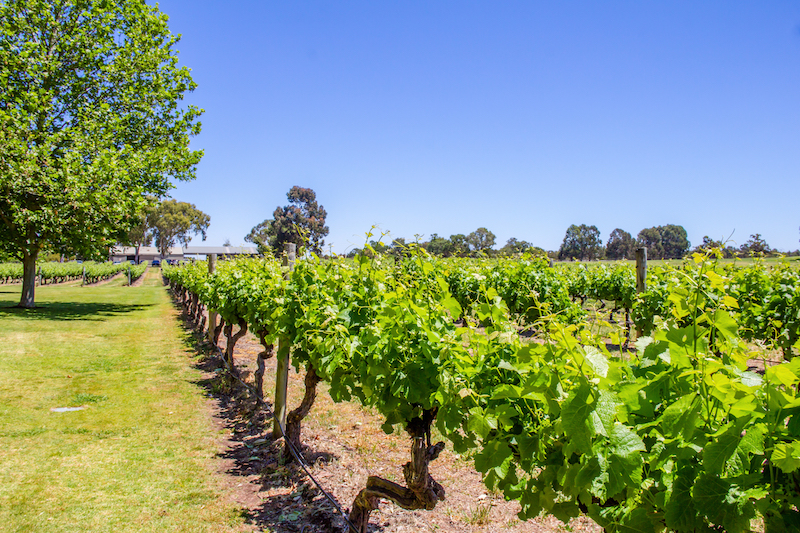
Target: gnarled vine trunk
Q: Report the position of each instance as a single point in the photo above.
(218, 330)
(269, 351)
(232, 340)
(421, 492)
(295, 418)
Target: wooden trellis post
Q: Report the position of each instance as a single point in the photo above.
(212, 315)
(284, 348)
(641, 277)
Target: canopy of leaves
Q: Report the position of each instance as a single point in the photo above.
(756, 245)
(89, 123)
(480, 240)
(439, 246)
(260, 236)
(302, 222)
(664, 242)
(581, 242)
(620, 245)
(175, 221)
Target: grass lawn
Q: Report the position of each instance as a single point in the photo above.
(138, 457)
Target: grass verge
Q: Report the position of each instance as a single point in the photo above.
(137, 456)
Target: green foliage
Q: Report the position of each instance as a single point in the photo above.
(680, 437)
(89, 124)
(664, 242)
(174, 221)
(620, 245)
(581, 242)
(302, 222)
(481, 240)
(755, 246)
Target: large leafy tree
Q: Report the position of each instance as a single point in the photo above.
(141, 234)
(620, 245)
(664, 242)
(756, 245)
(459, 244)
(439, 246)
(581, 242)
(674, 241)
(301, 222)
(481, 240)
(260, 236)
(175, 222)
(650, 238)
(89, 124)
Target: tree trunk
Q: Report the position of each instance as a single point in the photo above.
(295, 418)
(423, 492)
(28, 281)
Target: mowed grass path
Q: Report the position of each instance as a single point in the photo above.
(138, 457)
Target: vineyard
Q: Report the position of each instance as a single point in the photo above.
(692, 426)
(53, 272)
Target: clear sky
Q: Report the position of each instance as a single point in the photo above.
(428, 117)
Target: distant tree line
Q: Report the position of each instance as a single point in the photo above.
(479, 243)
(303, 222)
(662, 242)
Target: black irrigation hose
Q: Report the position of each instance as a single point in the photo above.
(295, 453)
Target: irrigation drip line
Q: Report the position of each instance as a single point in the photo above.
(295, 453)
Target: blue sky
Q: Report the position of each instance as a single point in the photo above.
(521, 117)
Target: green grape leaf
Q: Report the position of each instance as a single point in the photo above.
(575, 417)
(786, 456)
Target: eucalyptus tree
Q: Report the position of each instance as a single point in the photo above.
(620, 245)
(581, 242)
(90, 124)
(175, 222)
(301, 222)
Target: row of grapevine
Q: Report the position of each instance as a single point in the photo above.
(767, 300)
(679, 437)
(136, 271)
(54, 272)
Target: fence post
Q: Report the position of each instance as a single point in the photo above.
(641, 277)
(283, 356)
(129, 274)
(83, 276)
(212, 315)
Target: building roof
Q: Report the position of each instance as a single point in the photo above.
(220, 250)
(143, 250)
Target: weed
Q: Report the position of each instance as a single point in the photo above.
(479, 516)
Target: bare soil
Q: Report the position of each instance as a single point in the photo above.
(343, 443)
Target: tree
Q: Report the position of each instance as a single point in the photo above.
(142, 233)
(755, 246)
(650, 238)
(260, 236)
(709, 243)
(302, 222)
(515, 246)
(480, 240)
(664, 242)
(674, 241)
(439, 246)
(620, 245)
(177, 221)
(460, 245)
(581, 242)
(89, 124)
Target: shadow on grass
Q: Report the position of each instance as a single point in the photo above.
(255, 457)
(71, 310)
